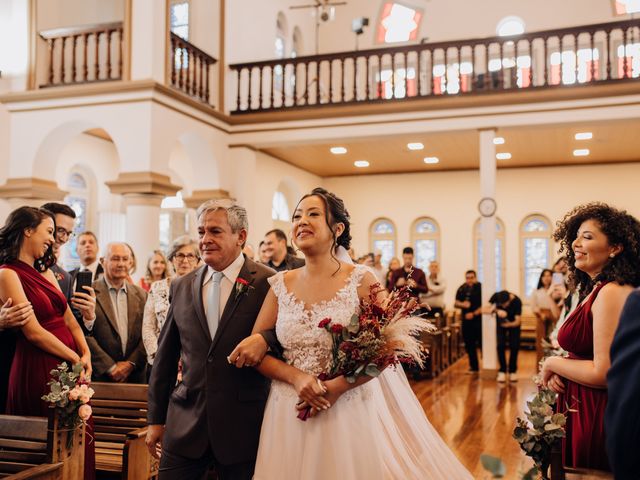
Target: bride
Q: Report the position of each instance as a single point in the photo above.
(374, 428)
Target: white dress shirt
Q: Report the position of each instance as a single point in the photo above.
(92, 267)
(229, 276)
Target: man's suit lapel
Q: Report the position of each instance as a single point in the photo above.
(104, 300)
(247, 272)
(196, 290)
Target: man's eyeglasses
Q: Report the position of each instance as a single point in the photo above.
(64, 233)
(182, 256)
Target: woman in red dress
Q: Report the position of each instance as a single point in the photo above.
(51, 335)
(602, 246)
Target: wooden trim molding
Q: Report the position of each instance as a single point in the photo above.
(148, 183)
(32, 188)
(198, 197)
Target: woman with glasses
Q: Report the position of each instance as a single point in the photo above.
(184, 256)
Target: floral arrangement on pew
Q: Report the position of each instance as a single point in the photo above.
(384, 333)
(70, 394)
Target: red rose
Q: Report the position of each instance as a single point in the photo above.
(242, 281)
(336, 328)
(324, 322)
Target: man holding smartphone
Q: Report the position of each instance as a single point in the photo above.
(83, 299)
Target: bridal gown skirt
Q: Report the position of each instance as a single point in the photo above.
(375, 431)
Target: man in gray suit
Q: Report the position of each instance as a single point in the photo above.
(213, 417)
(117, 351)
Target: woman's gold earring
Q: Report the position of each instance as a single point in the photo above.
(611, 255)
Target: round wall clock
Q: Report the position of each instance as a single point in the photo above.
(487, 206)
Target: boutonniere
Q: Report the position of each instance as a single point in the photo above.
(58, 276)
(242, 286)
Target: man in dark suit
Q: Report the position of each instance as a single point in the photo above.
(117, 351)
(213, 417)
(87, 250)
(275, 247)
(622, 417)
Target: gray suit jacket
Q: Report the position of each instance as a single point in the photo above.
(105, 343)
(217, 405)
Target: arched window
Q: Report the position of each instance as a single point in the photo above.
(510, 26)
(296, 44)
(179, 18)
(535, 235)
(174, 220)
(281, 35)
(78, 200)
(500, 263)
(425, 238)
(280, 207)
(382, 236)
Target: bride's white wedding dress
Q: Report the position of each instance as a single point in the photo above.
(375, 431)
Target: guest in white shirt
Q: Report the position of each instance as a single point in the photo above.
(437, 285)
(378, 269)
(543, 306)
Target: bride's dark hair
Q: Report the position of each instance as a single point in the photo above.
(334, 213)
(12, 235)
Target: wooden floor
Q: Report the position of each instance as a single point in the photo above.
(475, 415)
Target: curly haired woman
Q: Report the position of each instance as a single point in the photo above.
(602, 246)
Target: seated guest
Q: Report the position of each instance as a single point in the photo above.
(437, 286)
(116, 342)
(87, 250)
(543, 306)
(507, 308)
(185, 256)
(157, 269)
(409, 275)
(280, 259)
(602, 246)
(622, 416)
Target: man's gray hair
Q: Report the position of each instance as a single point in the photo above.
(236, 215)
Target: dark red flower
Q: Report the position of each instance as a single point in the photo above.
(324, 322)
(336, 328)
(242, 281)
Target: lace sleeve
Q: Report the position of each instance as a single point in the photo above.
(277, 284)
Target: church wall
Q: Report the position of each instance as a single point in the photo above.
(451, 199)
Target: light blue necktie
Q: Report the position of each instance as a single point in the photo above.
(213, 303)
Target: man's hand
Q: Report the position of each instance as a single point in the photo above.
(411, 283)
(468, 316)
(249, 352)
(85, 303)
(154, 440)
(16, 315)
(121, 372)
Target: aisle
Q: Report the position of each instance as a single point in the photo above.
(476, 415)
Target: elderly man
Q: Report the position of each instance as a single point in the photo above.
(275, 248)
(117, 351)
(213, 417)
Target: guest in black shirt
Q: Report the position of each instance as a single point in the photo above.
(469, 299)
(275, 248)
(507, 308)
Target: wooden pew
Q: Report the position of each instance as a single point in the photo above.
(36, 448)
(120, 418)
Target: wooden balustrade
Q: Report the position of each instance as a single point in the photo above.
(606, 52)
(84, 54)
(191, 69)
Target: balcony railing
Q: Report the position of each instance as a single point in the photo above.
(84, 54)
(607, 52)
(191, 69)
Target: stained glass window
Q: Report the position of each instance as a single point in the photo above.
(425, 236)
(78, 200)
(535, 236)
(382, 236)
(499, 253)
(280, 208)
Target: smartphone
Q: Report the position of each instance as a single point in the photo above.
(83, 279)
(557, 279)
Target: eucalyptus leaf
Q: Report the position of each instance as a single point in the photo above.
(494, 465)
(372, 370)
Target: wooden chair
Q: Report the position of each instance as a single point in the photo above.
(432, 341)
(36, 448)
(120, 418)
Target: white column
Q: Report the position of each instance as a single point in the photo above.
(148, 39)
(488, 235)
(143, 229)
(111, 227)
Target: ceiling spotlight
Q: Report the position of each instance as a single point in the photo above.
(338, 150)
(581, 152)
(503, 156)
(415, 146)
(431, 160)
(584, 136)
(498, 141)
(361, 163)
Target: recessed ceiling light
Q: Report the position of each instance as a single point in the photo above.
(503, 156)
(584, 136)
(431, 160)
(415, 146)
(361, 163)
(498, 141)
(338, 150)
(581, 152)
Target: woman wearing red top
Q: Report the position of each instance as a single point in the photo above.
(602, 246)
(157, 269)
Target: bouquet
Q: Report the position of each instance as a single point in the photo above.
(384, 333)
(70, 395)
